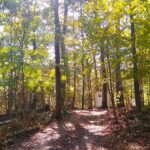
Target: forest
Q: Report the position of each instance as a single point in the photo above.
(75, 72)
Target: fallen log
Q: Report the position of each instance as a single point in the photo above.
(10, 139)
(6, 122)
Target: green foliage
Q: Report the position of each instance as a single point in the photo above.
(27, 37)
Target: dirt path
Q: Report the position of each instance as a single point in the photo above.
(79, 130)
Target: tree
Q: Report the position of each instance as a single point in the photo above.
(57, 61)
(135, 66)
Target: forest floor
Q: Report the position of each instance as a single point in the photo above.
(83, 130)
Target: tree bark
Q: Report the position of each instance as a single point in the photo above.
(95, 72)
(90, 106)
(111, 90)
(135, 66)
(64, 53)
(104, 86)
(83, 67)
(119, 86)
(34, 94)
(57, 61)
(74, 82)
(83, 84)
(10, 91)
(75, 64)
(23, 104)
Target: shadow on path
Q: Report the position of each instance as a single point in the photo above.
(79, 130)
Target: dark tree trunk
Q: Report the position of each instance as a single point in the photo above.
(83, 84)
(57, 62)
(119, 86)
(135, 66)
(90, 106)
(10, 91)
(22, 73)
(64, 53)
(104, 96)
(34, 94)
(33, 101)
(111, 90)
(22, 85)
(42, 100)
(95, 72)
(83, 67)
(74, 83)
(118, 76)
(104, 85)
(74, 73)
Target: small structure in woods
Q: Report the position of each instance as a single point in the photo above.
(98, 100)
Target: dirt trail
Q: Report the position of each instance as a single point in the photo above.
(79, 130)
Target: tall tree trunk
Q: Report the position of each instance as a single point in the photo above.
(104, 95)
(111, 90)
(10, 91)
(83, 85)
(95, 72)
(135, 66)
(34, 94)
(64, 53)
(90, 106)
(22, 84)
(97, 86)
(119, 86)
(83, 67)
(62, 40)
(104, 85)
(42, 100)
(118, 74)
(75, 63)
(74, 82)
(57, 62)
(22, 72)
